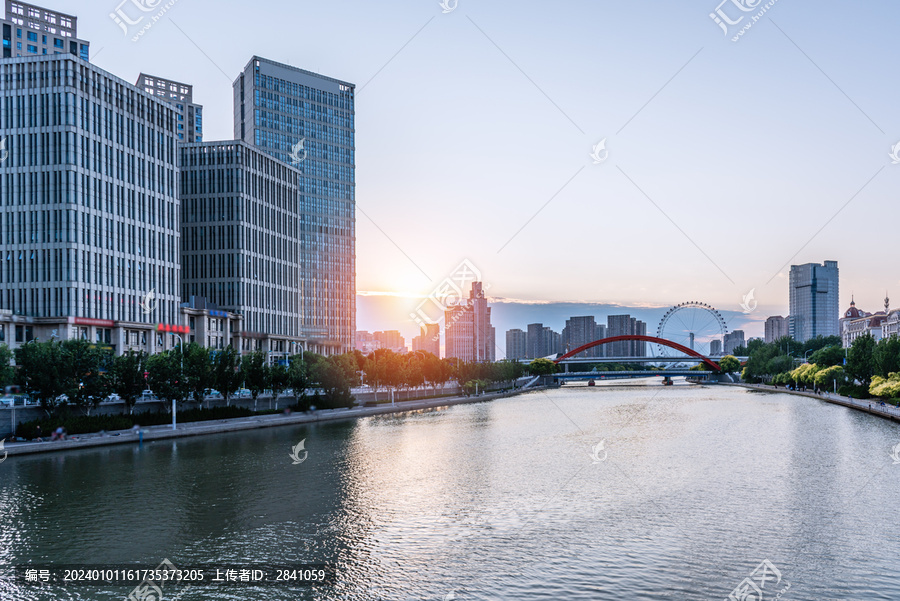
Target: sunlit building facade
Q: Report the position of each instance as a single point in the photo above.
(468, 333)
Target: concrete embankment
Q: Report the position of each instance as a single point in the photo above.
(148, 434)
(868, 406)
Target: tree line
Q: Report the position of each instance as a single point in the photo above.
(78, 374)
(867, 368)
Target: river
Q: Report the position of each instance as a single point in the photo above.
(693, 490)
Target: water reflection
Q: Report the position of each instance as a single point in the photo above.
(490, 500)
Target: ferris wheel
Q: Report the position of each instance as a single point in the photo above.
(694, 325)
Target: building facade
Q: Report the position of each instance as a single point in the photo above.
(429, 339)
(734, 340)
(715, 348)
(516, 344)
(308, 120)
(30, 30)
(776, 328)
(242, 220)
(814, 301)
(89, 207)
(189, 120)
(625, 325)
(468, 333)
(392, 340)
(580, 331)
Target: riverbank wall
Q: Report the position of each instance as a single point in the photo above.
(139, 436)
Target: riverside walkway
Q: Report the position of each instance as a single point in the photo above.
(869, 406)
(164, 432)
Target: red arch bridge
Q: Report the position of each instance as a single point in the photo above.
(668, 366)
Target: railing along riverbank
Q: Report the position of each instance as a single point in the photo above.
(867, 405)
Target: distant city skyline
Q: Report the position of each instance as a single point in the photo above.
(715, 148)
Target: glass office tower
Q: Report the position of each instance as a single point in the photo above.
(307, 120)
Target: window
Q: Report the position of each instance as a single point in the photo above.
(19, 33)
(20, 334)
(58, 43)
(32, 49)
(32, 36)
(83, 333)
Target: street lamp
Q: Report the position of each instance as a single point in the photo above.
(181, 349)
(805, 360)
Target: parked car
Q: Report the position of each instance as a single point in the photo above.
(243, 393)
(7, 400)
(148, 395)
(212, 392)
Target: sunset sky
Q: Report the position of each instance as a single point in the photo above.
(728, 161)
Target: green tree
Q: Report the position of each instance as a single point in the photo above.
(128, 377)
(198, 371)
(84, 379)
(861, 360)
(166, 378)
(279, 379)
(7, 371)
(542, 367)
(299, 380)
(729, 364)
(255, 373)
(43, 371)
(887, 356)
(828, 356)
(335, 375)
(225, 374)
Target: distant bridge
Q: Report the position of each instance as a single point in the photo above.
(618, 375)
(692, 355)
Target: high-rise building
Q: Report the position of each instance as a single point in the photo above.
(241, 224)
(535, 341)
(580, 331)
(734, 340)
(391, 339)
(625, 325)
(366, 343)
(776, 328)
(814, 301)
(468, 333)
(189, 121)
(552, 341)
(89, 209)
(30, 30)
(715, 348)
(516, 344)
(429, 339)
(308, 120)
